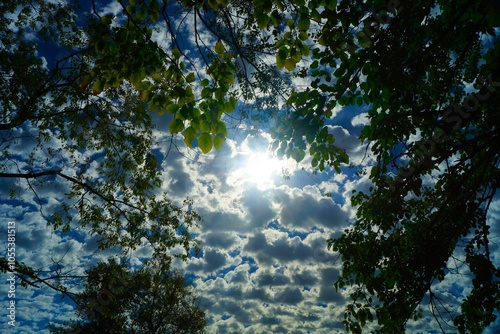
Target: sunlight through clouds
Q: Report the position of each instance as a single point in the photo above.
(255, 166)
(259, 168)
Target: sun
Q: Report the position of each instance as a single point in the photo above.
(260, 168)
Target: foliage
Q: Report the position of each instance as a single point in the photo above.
(97, 149)
(425, 70)
(77, 93)
(411, 64)
(84, 110)
(117, 299)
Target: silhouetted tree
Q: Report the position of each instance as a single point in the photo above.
(120, 300)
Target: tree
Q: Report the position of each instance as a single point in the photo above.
(88, 129)
(427, 71)
(80, 111)
(118, 299)
(83, 111)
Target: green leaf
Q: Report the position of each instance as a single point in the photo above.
(298, 155)
(219, 48)
(305, 50)
(176, 126)
(295, 55)
(141, 14)
(219, 142)
(189, 135)
(206, 93)
(98, 87)
(176, 53)
(107, 19)
(136, 78)
(316, 16)
(221, 129)
(172, 108)
(263, 20)
(275, 18)
(280, 58)
(304, 23)
(190, 77)
(228, 107)
(205, 126)
(290, 64)
(205, 142)
(233, 102)
(154, 15)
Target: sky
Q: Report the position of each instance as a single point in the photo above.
(263, 266)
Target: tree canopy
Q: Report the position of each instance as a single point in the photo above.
(117, 299)
(425, 70)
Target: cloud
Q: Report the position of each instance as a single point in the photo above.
(361, 119)
(302, 211)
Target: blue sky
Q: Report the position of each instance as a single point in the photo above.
(263, 266)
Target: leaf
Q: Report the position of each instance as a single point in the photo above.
(304, 23)
(85, 82)
(172, 108)
(100, 45)
(219, 48)
(205, 126)
(137, 77)
(205, 142)
(280, 58)
(176, 53)
(275, 18)
(290, 64)
(176, 126)
(154, 15)
(228, 107)
(221, 129)
(141, 14)
(295, 55)
(298, 155)
(206, 93)
(98, 87)
(233, 102)
(189, 135)
(316, 16)
(190, 77)
(107, 19)
(305, 50)
(218, 142)
(263, 20)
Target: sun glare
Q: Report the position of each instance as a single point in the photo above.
(260, 168)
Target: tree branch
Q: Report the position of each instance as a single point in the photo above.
(30, 175)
